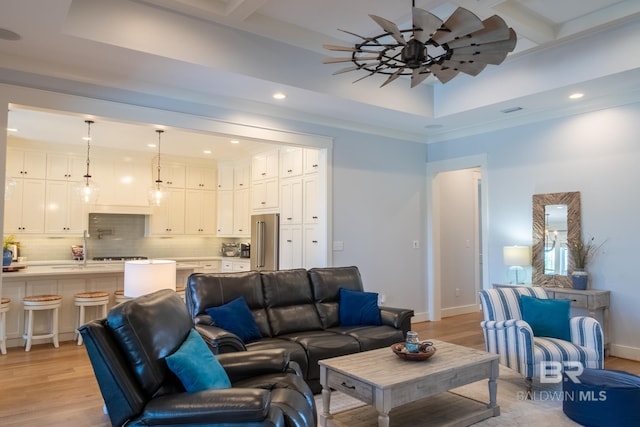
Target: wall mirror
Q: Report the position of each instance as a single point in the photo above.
(556, 224)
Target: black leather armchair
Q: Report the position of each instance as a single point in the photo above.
(127, 351)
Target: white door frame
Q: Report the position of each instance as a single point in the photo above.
(434, 302)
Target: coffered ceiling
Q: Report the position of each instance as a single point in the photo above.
(236, 53)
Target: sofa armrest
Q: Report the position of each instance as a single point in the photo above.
(220, 340)
(246, 364)
(399, 318)
(587, 332)
(228, 406)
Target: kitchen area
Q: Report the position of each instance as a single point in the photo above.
(205, 225)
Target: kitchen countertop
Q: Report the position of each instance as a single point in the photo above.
(75, 269)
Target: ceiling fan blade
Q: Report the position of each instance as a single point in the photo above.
(337, 48)
(338, 60)
(460, 23)
(393, 76)
(419, 75)
(494, 58)
(495, 29)
(495, 47)
(369, 39)
(364, 77)
(390, 28)
(471, 68)
(346, 69)
(443, 74)
(425, 24)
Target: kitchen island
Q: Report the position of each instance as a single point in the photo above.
(66, 279)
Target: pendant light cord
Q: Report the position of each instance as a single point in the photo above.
(159, 181)
(88, 122)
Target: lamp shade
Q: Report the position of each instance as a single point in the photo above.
(146, 276)
(517, 255)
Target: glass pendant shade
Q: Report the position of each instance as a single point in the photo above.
(87, 192)
(10, 185)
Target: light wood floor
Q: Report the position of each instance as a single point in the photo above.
(56, 387)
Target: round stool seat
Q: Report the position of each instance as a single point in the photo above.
(180, 290)
(90, 299)
(33, 303)
(602, 398)
(4, 307)
(120, 298)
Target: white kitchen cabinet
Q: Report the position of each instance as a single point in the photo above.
(264, 165)
(173, 175)
(212, 266)
(168, 218)
(201, 178)
(290, 162)
(312, 161)
(123, 182)
(314, 247)
(291, 201)
(225, 213)
(241, 213)
(66, 168)
(229, 266)
(200, 212)
(312, 199)
(65, 214)
(242, 175)
(225, 176)
(290, 247)
(26, 164)
(25, 212)
(264, 195)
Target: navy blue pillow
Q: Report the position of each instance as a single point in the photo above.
(236, 317)
(196, 367)
(547, 317)
(359, 308)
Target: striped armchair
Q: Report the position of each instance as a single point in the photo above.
(506, 334)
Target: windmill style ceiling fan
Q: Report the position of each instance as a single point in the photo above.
(463, 43)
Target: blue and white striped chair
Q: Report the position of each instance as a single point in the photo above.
(506, 334)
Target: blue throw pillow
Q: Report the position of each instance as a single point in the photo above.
(359, 308)
(236, 317)
(196, 367)
(547, 317)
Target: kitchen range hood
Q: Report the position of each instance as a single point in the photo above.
(121, 209)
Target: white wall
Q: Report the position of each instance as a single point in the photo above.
(595, 153)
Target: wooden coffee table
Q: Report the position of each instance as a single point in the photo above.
(381, 379)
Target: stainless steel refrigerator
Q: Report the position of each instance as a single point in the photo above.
(265, 241)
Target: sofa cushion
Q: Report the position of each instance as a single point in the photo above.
(236, 318)
(145, 343)
(372, 337)
(326, 284)
(196, 367)
(547, 317)
(289, 301)
(359, 308)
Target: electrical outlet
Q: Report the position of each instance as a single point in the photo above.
(416, 244)
(381, 299)
(457, 292)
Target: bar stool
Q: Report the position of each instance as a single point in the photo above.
(120, 298)
(180, 290)
(90, 299)
(37, 303)
(4, 307)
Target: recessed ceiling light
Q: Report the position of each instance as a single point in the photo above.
(12, 130)
(235, 141)
(279, 95)
(576, 95)
(151, 145)
(206, 151)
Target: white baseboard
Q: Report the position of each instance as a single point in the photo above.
(625, 352)
(461, 309)
(420, 317)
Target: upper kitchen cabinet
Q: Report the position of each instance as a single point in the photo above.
(26, 163)
(312, 161)
(290, 162)
(123, 182)
(264, 165)
(201, 178)
(24, 212)
(225, 176)
(65, 214)
(242, 175)
(66, 168)
(173, 175)
(168, 219)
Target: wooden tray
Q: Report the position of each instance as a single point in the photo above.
(426, 351)
(11, 268)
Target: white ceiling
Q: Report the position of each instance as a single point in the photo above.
(236, 53)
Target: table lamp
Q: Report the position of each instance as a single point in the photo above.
(517, 257)
(143, 277)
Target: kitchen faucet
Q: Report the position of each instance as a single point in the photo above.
(85, 236)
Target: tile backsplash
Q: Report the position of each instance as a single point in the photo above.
(120, 235)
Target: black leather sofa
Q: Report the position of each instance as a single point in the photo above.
(296, 310)
(128, 349)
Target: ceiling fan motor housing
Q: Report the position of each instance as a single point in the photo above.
(414, 53)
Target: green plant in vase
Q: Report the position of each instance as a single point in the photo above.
(582, 253)
(8, 243)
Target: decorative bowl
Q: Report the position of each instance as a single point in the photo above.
(426, 351)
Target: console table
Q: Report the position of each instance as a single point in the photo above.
(592, 302)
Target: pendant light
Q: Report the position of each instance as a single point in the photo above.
(88, 190)
(157, 191)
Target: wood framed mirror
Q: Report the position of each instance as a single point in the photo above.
(556, 223)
